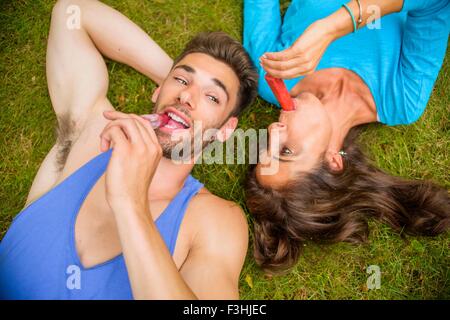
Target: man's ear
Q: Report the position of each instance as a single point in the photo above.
(155, 94)
(227, 129)
(335, 161)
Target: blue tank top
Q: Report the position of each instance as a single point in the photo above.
(38, 257)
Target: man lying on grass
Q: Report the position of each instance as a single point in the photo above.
(109, 214)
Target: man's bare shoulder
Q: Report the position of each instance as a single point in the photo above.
(218, 219)
(218, 247)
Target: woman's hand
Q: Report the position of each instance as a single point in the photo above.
(303, 56)
(135, 156)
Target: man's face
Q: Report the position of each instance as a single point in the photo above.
(198, 89)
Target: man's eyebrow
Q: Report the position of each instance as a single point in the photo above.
(221, 85)
(186, 68)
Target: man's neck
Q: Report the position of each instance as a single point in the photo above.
(168, 179)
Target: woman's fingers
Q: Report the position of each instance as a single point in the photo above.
(291, 73)
(284, 55)
(284, 64)
(287, 65)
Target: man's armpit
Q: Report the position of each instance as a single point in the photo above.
(66, 133)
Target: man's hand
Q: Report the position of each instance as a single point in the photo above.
(135, 157)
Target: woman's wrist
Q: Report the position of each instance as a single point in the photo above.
(326, 29)
(339, 23)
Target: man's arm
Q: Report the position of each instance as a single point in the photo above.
(212, 267)
(218, 242)
(120, 39)
(215, 261)
(81, 31)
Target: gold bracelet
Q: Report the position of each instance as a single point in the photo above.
(360, 13)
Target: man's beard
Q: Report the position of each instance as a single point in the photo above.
(168, 146)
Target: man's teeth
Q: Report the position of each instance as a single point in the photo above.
(176, 118)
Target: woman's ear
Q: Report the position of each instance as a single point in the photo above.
(227, 129)
(155, 94)
(335, 161)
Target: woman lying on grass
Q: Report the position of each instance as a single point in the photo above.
(344, 67)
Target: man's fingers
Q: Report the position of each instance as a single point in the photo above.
(134, 126)
(112, 137)
(142, 124)
(148, 134)
(147, 126)
(129, 127)
(113, 115)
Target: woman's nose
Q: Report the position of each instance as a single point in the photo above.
(276, 126)
(276, 130)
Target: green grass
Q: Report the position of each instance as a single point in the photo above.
(412, 268)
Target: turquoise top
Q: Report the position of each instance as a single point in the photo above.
(399, 61)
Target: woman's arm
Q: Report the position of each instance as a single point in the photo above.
(423, 50)
(304, 55)
(340, 22)
(262, 26)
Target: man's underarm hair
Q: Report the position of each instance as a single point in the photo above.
(66, 134)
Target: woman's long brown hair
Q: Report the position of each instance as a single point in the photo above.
(327, 206)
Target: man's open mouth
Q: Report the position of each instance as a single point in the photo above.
(176, 120)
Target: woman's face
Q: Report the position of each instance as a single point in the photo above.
(296, 143)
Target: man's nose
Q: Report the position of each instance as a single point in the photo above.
(185, 98)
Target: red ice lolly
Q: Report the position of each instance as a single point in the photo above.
(281, 93)
(156, 120)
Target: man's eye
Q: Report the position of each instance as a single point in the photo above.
(183, 82)
(286, 151)
(214, 99)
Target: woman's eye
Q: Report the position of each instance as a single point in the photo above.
(286, 151)
(214, 99)
(183, 82)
